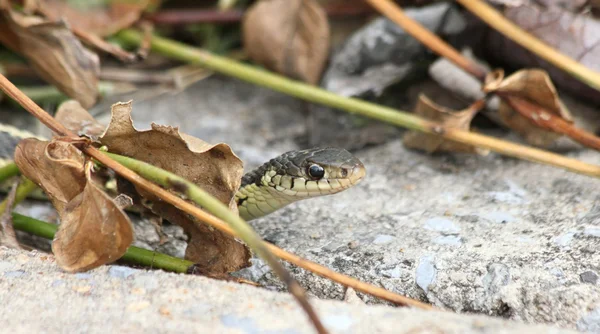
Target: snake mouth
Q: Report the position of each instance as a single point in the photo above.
(358, 173)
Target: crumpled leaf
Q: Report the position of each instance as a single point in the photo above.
(575, 34)
(94, 230)
(215, 168)
(102, 18)
(54, 52)
(288, 36)
(534, 86)
(449, 119)
(75, 118)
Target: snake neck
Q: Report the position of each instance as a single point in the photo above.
(258, 196)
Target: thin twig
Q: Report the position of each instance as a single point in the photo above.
(314, 94)
(293, 286)
(97, 42)
(436, 44)
(136, 76)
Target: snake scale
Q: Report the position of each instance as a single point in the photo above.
(290, 177)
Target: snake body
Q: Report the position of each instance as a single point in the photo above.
(290, 177)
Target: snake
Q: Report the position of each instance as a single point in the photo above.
(292, 176)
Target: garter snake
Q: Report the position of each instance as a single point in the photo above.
(290, 177)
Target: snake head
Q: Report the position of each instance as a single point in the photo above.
(318, 171)
(296, 175)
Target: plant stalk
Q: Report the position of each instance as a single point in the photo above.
(180, 51)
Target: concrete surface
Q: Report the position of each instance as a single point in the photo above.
(37, 297)
(486, 235)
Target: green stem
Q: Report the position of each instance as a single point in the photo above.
(23, 190)
(183, 52)
(8, 171)
(133, 255)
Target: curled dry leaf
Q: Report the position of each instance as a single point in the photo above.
(215, 168)
(288, 36)
(449, 119)
(94, 230)
(54, 52)
(75, 118)
(535, 87)
(102, 18)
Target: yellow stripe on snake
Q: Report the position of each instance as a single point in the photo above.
(290, 177)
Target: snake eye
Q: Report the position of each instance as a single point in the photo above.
(316, 171)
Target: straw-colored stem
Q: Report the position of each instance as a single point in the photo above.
(497, 21)
(314, 94)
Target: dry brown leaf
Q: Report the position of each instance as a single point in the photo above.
(103, 18)
(534, 86)
(75, 118)
(215, 168)
(574, 33)
(54, 52)
(94, 230)
(57, 167)
(449, 119)
(288, 36)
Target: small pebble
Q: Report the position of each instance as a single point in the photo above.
(351, 297)
(17, 273)
(121, 272)
(383, 239)
(589, 277)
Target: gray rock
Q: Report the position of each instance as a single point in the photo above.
(121, 272)
(190, 304)
(589, 277)
(426, 272)
(590, 323)
(372, 59)
(442, 225)
(383, 239)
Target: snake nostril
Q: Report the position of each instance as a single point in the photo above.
(344, 172)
